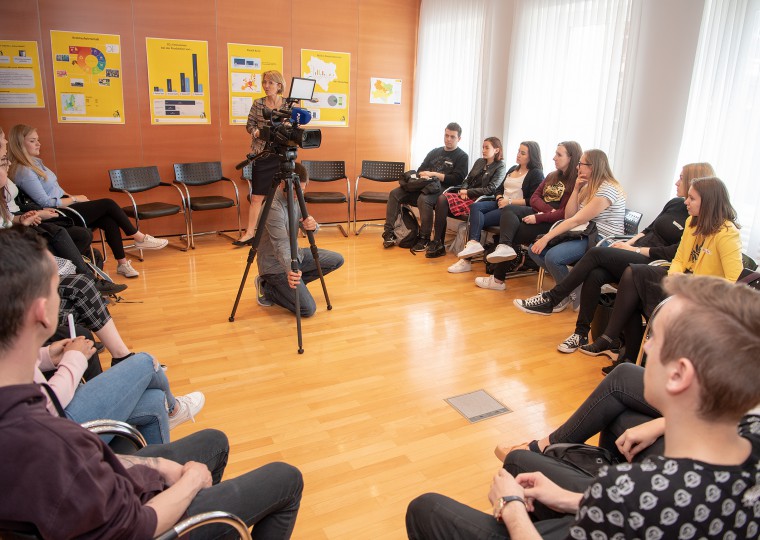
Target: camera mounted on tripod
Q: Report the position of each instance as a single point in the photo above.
(283, 130)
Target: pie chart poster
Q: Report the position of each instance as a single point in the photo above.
(88, 77)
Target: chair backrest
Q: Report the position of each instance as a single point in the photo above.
(325, 171)
(198, 174)
(631, 221)
(382, 171)
(135, 179)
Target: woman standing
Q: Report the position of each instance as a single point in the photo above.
(41, 185)
(263, 169)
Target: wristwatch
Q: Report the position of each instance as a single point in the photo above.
(638, 251)
(499, 505)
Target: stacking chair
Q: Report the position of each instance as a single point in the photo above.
(139, 179)
(329, 171)
(204, 174)
(376, 171)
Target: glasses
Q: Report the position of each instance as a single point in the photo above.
(586, 164)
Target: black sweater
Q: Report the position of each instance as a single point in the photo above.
(663, 235)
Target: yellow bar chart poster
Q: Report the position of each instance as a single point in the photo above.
(178, 81)
(20, 80)
(246, 64)
(332, 71)
(88, 77)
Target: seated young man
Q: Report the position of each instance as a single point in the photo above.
(277, 283)
(64, 482)
(703, 364)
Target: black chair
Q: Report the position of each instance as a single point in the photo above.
(329, 171)
(203, 174)
(138, 179)
(376, 171)
(631, 222)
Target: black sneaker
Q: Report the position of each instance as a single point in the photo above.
(108, 288)
(421, 244)
(538, 305)
(602, 346)
(571, 344)
(389, 239)
(606, 370)
(435, 249)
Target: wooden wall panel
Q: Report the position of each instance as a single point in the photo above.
(379, 34)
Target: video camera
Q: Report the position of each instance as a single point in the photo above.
(283, 128)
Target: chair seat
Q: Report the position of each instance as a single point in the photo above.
(211, 202)
(318, 197)
(373, 197)
(152, 210)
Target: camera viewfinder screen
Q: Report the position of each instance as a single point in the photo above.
(302, 88)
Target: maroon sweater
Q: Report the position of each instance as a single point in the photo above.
(62, 479)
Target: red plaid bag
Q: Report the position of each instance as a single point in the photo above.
(457, 205)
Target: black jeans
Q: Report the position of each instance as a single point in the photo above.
(600, 265)
(108, 216)
(512, 231)
(423, 201)
(266, 498)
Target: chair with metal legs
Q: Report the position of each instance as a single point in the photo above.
(376, 171)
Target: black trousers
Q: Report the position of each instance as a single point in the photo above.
(512, 231)
(108, 216)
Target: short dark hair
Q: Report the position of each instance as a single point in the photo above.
(534, 155)
(453, 126)
(718, 330)
(25, 274)
(302, 173)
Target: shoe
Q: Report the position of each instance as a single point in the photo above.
(107, 288)
(389, 239)
(462, 265)
(151, 243)
(99, 347)
(187, 407)
(602, 347)
(571, 344)
(537, 305)
(435, 249)
(501, 451)
(243, 243)
(261, 297)
(562, 306)
(126, 270)
(471, 249)
(576, 299)
(606, 370)
(421, 244)
(502, 253)
(489, 282)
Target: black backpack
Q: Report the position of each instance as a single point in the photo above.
(410, 222)
(583, 457)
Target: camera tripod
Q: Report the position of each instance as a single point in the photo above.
(292, 186)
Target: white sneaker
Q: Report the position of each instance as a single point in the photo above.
(502, 253)
(126, 270)
(187, 407)
(471, 249)
(567, 301)
(490, 283)
(151, 243)
(462, 265)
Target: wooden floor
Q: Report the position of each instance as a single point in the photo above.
(362, 411)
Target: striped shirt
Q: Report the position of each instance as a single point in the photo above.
(611, 220)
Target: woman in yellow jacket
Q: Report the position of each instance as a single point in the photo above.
(710, 246)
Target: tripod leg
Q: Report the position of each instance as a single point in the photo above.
(312, 243)
(293, 229)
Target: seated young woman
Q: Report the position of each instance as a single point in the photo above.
(601, 265)
(520, 182)
(485, 178)
(136, 391)
(710, 246)
(597, 196)
(41, 185)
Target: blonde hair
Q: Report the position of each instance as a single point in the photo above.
(275, 76)
(4, 210)
(19, 156)
(600, 173)
(695, 170)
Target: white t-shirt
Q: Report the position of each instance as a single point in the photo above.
(513, 186)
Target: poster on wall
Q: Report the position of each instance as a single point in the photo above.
(385, 91)
(178, 81)
(331, 70)
(88, 77)
(245, 65)
(20, 79)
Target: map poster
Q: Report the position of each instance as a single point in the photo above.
(20, 80)
(88, 77)
(246, 64)
(332, 71)
(385, 91)
(178, 81)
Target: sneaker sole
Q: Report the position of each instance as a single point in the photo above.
(465, 255)
(522, 308)
(500, 259)
(128, 277)
(459, 271)
(566, 350)
(612, 355)
(149, 248)
(490, 288)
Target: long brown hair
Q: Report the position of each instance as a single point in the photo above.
(695, 170)
(600, 173)
(4, 210)
(715, 209)
(18, 154)
(568, 177)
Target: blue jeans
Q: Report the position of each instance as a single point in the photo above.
(556, 259)
(275, 286)
(133, 391)
(483, 214)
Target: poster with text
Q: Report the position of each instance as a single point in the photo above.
(245, 65)
(20, 79)
(178, 81)
(87, 73)
(385, 91)
(331, 70)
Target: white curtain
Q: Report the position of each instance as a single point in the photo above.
(723, 114)
(448, 82)
(572, 66)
